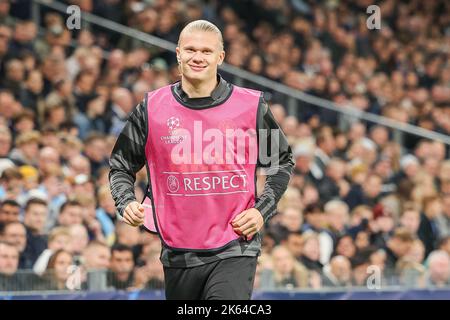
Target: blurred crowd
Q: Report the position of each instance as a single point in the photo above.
(361, 207)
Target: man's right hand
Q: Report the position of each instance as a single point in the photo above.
(134, 214)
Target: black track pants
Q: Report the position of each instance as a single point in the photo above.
(227, 279)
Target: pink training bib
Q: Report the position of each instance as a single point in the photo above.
(202, 166)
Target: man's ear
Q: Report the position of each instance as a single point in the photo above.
(177, 50)
(221, 57)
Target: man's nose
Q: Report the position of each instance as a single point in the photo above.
(198, 57)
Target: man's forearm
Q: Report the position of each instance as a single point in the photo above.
(127, 158)
(122, 189)
(281, 164)
(274, 188)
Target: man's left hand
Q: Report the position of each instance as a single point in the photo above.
(248, 223)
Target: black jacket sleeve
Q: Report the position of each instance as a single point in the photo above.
(128, 157)
(277, 160)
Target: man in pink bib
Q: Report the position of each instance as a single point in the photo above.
(202, 140)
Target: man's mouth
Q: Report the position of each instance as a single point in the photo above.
(197, 68)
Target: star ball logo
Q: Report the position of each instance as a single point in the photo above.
(173, 126)
(173, 123)
(172, 183)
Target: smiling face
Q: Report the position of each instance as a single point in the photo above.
(199, 54)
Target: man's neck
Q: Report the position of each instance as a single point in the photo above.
(200, 89)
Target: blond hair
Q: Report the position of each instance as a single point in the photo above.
(202, 25)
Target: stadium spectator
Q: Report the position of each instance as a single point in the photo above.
(96, 261)
(122, 264)
(15, 234)
(58, 239)
(36, 212)
(9, 212)
(9, 263)
(287, 273)
(438, 269)
(58, 271)
(338, 273)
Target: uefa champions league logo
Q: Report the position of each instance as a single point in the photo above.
(173, 123)
(172, 183)
(174, 128)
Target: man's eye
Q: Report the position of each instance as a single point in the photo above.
(207, 51)
(189, 50)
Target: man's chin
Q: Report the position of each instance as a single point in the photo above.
(195, 77)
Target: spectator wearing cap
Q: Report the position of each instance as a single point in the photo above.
(438, 269)
(27, 149)
(30, 178)
(428, 228)
(36, 213)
